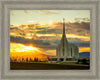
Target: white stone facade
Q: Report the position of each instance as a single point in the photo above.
(66, 51)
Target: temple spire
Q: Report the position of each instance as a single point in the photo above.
(63, 26)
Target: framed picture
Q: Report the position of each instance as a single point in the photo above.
(38, 41)
(49, 39)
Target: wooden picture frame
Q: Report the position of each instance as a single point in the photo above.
(7, 5)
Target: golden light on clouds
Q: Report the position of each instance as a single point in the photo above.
(84, 38)
(12, 34)
(29, 37)
(28, 34)
(84, 49)
(51, 52)
(39, 35)
(77, 36)
(17, 47)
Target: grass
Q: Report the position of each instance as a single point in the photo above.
(47, 66)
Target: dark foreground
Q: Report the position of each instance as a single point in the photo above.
(46, 66)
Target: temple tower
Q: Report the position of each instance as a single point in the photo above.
(66, 51)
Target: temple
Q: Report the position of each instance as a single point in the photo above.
(66, 51)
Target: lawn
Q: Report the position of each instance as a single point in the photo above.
(47, 66)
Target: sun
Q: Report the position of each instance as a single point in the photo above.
(17, 47)
(30, 48)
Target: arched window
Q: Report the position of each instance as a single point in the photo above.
(71, 51)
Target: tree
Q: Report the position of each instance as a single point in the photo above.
(84, 61)
(78, 61)
(22, 59)
(34, 59)
(37, 59)
(26, 59)
(31, 60)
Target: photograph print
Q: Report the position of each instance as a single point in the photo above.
(50, 39)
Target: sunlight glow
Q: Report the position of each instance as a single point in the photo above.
(29, 37)
(28, 34)
(45, 35)
(17, 47)
(19, 51)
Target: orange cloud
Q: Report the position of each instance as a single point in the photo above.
(81, 30)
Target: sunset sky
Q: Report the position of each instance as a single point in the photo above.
(36, 33)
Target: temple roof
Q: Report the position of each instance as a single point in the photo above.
(64, 39)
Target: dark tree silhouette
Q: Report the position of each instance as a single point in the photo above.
(31, 60)
(78, 61)
(34, 59)
(26, 59)
(84, 61)
(22, 59)
(37, 59)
